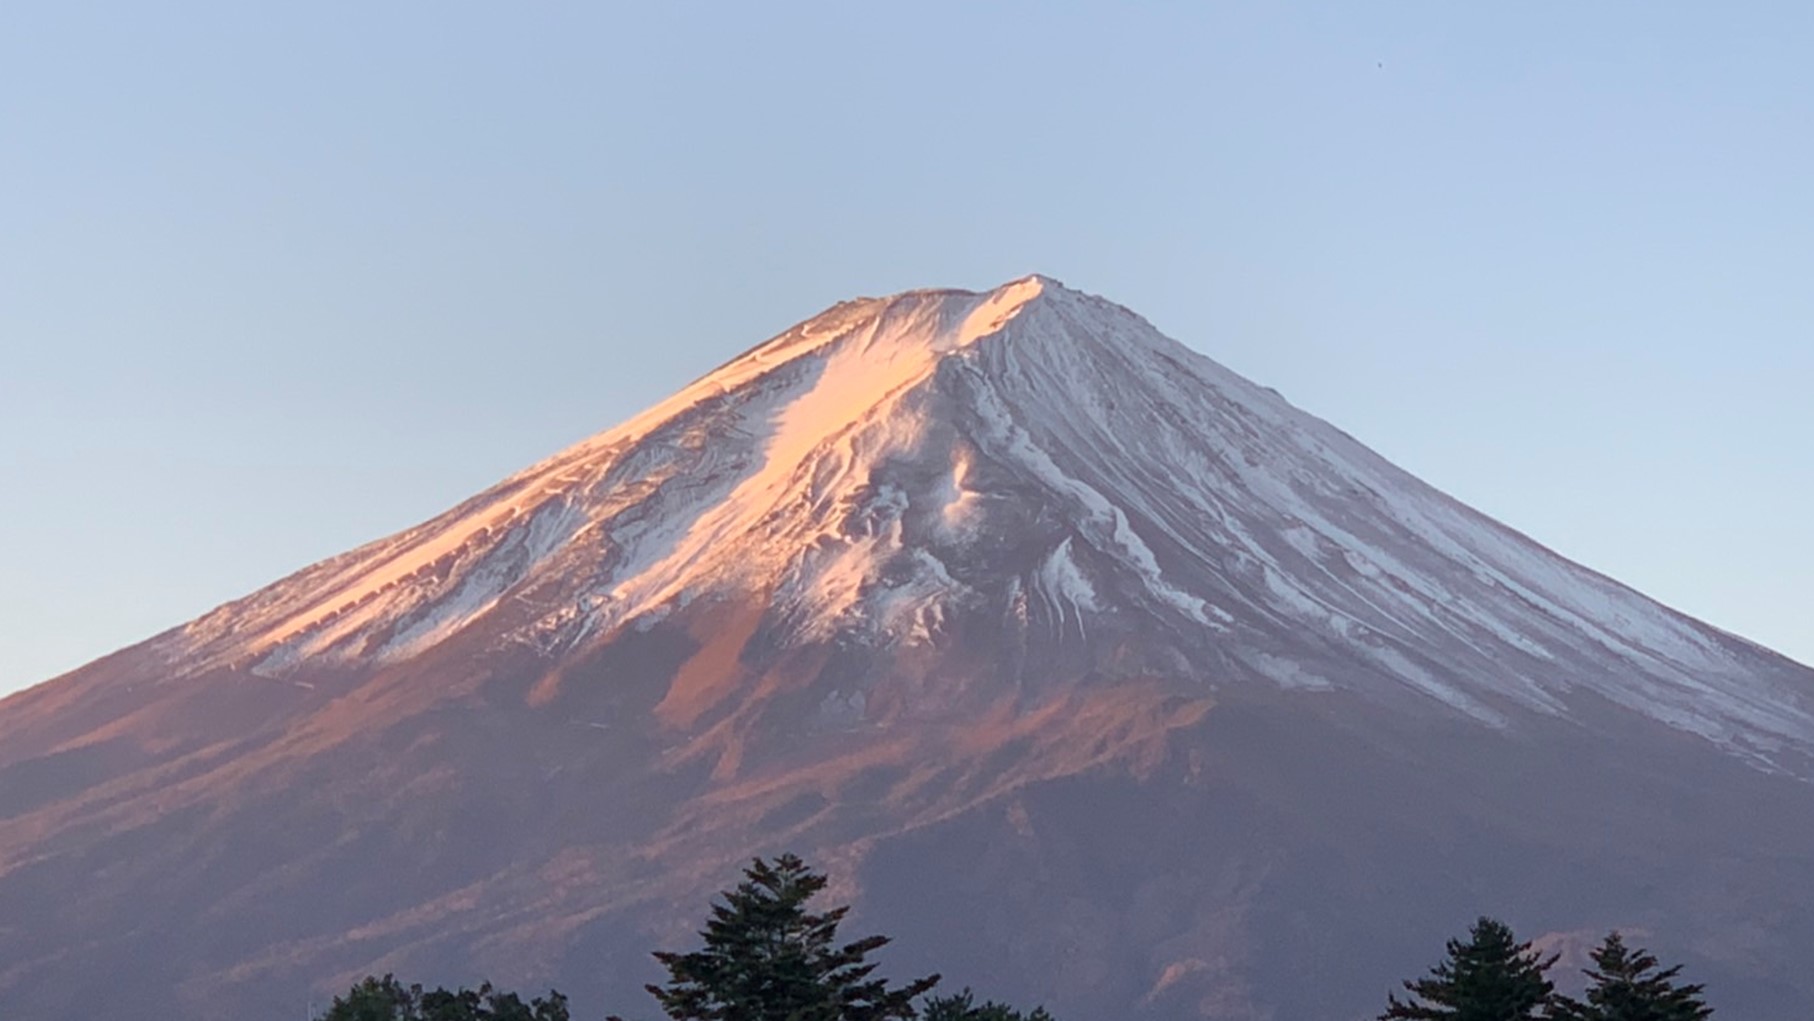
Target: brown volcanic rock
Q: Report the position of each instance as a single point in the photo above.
(1094, 674)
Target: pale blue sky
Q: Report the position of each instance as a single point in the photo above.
(276, 283)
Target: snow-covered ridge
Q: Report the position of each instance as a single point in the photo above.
(787, 395)
(1038, 456)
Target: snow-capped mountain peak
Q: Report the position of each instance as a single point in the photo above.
(1043, 466)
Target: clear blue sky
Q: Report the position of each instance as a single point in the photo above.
(277, 282)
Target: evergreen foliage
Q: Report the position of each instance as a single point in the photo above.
(1628, 985)
(386, 999)
(374, 999)
(766, 958)
(1490, 977)
(963, 1007)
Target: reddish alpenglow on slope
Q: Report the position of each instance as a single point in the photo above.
(1081, 659)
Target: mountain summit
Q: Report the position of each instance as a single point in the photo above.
(1063, 644)
(1044, 465)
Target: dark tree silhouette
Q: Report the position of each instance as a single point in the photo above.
(1629, 985)
(386, 999)
(963, 1007)
(766, 958)
(1489, 977)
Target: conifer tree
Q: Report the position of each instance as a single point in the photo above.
(963, 1007)
(386, 999)
(375, 999)
(766, 958)
(1490, 977)
(1628, 985)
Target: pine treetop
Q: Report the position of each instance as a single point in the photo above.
(1629, 984)
(767, 958)
(1489, 977)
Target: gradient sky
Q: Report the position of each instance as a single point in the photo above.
(275, 283)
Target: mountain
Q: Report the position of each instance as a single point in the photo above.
(1094, 673)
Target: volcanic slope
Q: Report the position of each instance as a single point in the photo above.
(1097, 673)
